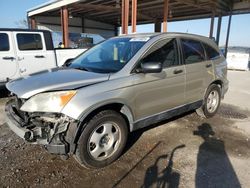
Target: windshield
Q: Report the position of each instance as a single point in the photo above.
(109, 56)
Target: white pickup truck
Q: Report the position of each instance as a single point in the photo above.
(23, 52)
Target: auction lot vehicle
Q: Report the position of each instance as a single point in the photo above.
(24, 52)
(120, 85)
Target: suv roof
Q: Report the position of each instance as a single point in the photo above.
(172, 34)
(204, 39)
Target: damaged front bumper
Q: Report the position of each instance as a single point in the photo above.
(39, 128)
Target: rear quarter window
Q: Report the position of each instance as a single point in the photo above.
(4, 42)
(28, 41)
(211, 52)
(193, 51)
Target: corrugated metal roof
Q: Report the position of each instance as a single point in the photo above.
(43, 5)
(109, 11)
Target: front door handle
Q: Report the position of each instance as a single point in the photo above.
(39, 56)
(8, 58)
(208, 65)
(178, 71)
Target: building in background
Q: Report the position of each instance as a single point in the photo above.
(104, 17)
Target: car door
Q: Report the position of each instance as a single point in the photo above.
(31, 52)
(8, 64)
(194, 57)
(159, 92)
(213, 58)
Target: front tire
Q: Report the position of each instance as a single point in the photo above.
(211, 102)
(103, 140)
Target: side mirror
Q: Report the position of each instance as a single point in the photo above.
(67, 63)
(151, 67)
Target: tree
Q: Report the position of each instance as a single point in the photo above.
(22, 24)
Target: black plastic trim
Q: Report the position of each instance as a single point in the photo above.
(2, 85)
(48, 40)
(166, 115)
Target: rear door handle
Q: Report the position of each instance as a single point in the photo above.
(39, 56)
(208, 65)
(8, 58)
(178, 71)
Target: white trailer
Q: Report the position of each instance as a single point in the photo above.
(238, 58)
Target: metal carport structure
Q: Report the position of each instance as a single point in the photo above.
(110, 14)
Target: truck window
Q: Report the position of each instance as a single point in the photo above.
(27, 41)
(4, 42)
(193, 51)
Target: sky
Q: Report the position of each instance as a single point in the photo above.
(13, 11)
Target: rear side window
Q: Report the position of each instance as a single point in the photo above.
(164, 52)
(211, 52)
(193, 51)
(27, 41)
(4, 42)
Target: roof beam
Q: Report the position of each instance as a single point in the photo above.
(194, 3)
(106, 9)
(96, 7)
(241, 5)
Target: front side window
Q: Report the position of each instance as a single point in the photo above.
(109, 56)
(164, 52)
(4, 42)
(193, 51)
(211, 52)
(29, 41)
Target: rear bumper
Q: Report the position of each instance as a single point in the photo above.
(31, 135)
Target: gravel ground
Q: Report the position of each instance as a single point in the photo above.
(186, 151)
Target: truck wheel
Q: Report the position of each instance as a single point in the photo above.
(103, 140)
(211, 102)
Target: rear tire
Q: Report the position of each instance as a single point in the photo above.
(103, 140)
(211, 102)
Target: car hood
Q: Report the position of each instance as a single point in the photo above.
(53, 80)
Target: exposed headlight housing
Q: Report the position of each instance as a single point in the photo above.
(48, 102)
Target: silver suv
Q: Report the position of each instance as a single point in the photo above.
(88, 107)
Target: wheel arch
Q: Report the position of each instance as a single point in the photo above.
(119, 107)
(202, 111)
(216, 82)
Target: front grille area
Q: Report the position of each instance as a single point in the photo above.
(39, 128)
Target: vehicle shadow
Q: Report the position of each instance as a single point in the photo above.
(214, 168)
(167, 177)
(134, 136)
(131, 169)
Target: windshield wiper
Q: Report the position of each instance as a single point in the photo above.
(81, 68)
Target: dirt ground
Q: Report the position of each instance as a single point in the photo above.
(186, 151)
